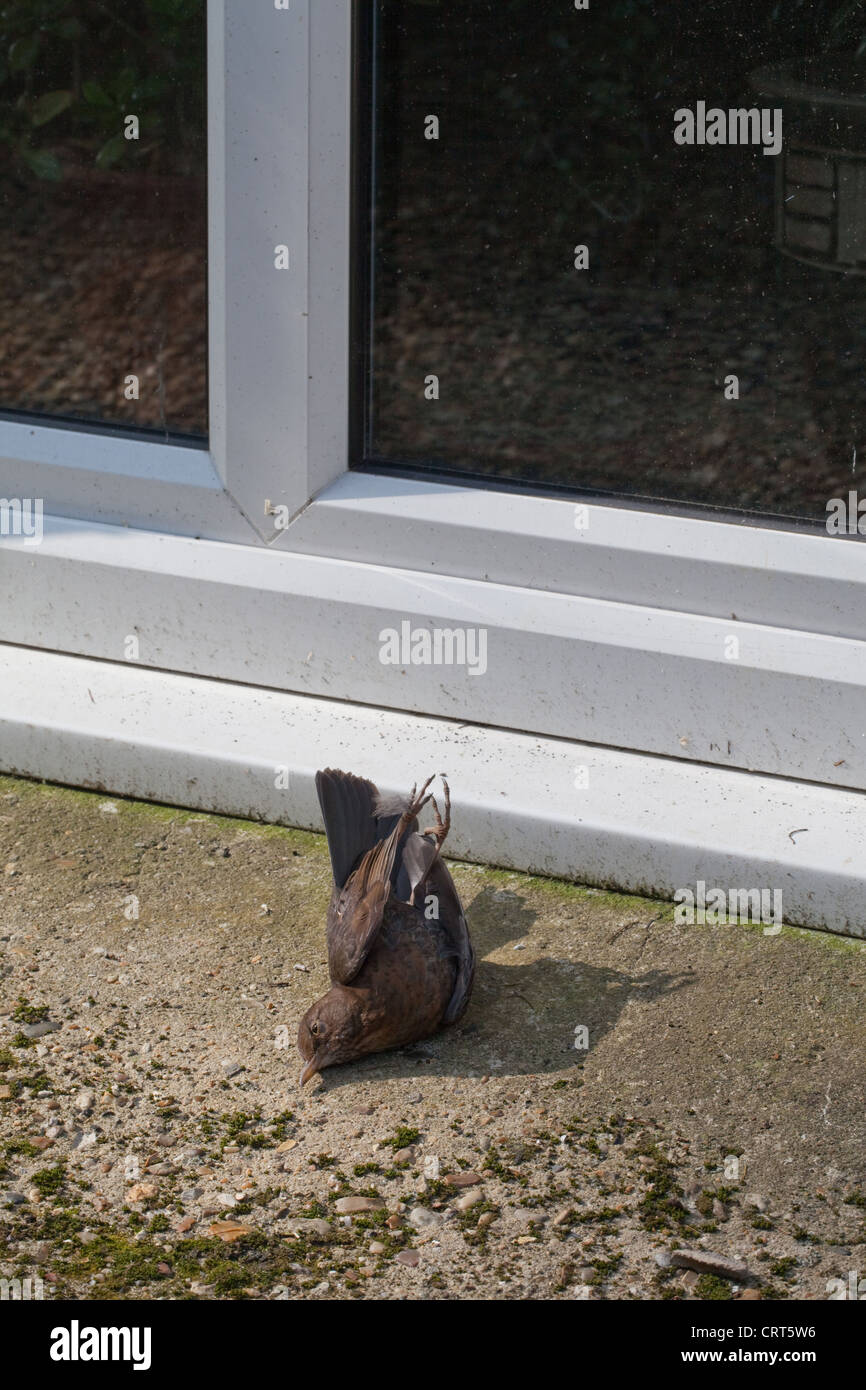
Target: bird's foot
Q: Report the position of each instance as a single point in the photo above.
(417, 802)
(440, 830)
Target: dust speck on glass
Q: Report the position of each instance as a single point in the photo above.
(103, 233)
(621, 246)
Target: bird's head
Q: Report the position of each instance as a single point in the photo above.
(329, 1032)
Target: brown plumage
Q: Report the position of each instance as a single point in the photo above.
(399, 955)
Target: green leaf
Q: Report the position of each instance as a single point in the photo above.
(43, 164)
(50, 105)
(173, 9)
(111, 151)
(154, 88)
(95, 95)
(68, 29)
(845, 12)
(22, 53)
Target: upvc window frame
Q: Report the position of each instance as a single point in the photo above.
(277, 109)
(613, 634)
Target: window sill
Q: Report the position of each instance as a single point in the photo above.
(644, 824)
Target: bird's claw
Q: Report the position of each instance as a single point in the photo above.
(440, 830)
(419, 801)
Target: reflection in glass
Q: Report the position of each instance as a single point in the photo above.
(575, 285)
(103, 238)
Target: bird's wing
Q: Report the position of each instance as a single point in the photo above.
(350, 824)
(356, 912)
(453, 922)
(353, 923)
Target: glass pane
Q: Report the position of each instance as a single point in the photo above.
(103, 237)
(621, 246)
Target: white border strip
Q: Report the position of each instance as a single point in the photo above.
(644, 824)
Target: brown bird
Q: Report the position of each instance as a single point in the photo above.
(399, 955)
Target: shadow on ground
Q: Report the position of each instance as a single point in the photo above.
(525, 1017)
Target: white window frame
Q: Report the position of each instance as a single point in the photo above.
(612, 636)
(278, 106)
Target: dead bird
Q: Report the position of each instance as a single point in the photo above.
(399, 954)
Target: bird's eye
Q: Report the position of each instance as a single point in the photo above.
(314, 1029)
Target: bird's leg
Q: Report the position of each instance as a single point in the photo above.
(381, 856)
(441, 828)
(416, 804)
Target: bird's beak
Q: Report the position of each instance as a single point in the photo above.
(309, 1070)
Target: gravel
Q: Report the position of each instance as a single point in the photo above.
(495, 1163)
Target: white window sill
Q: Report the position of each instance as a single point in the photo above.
(650, 825)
